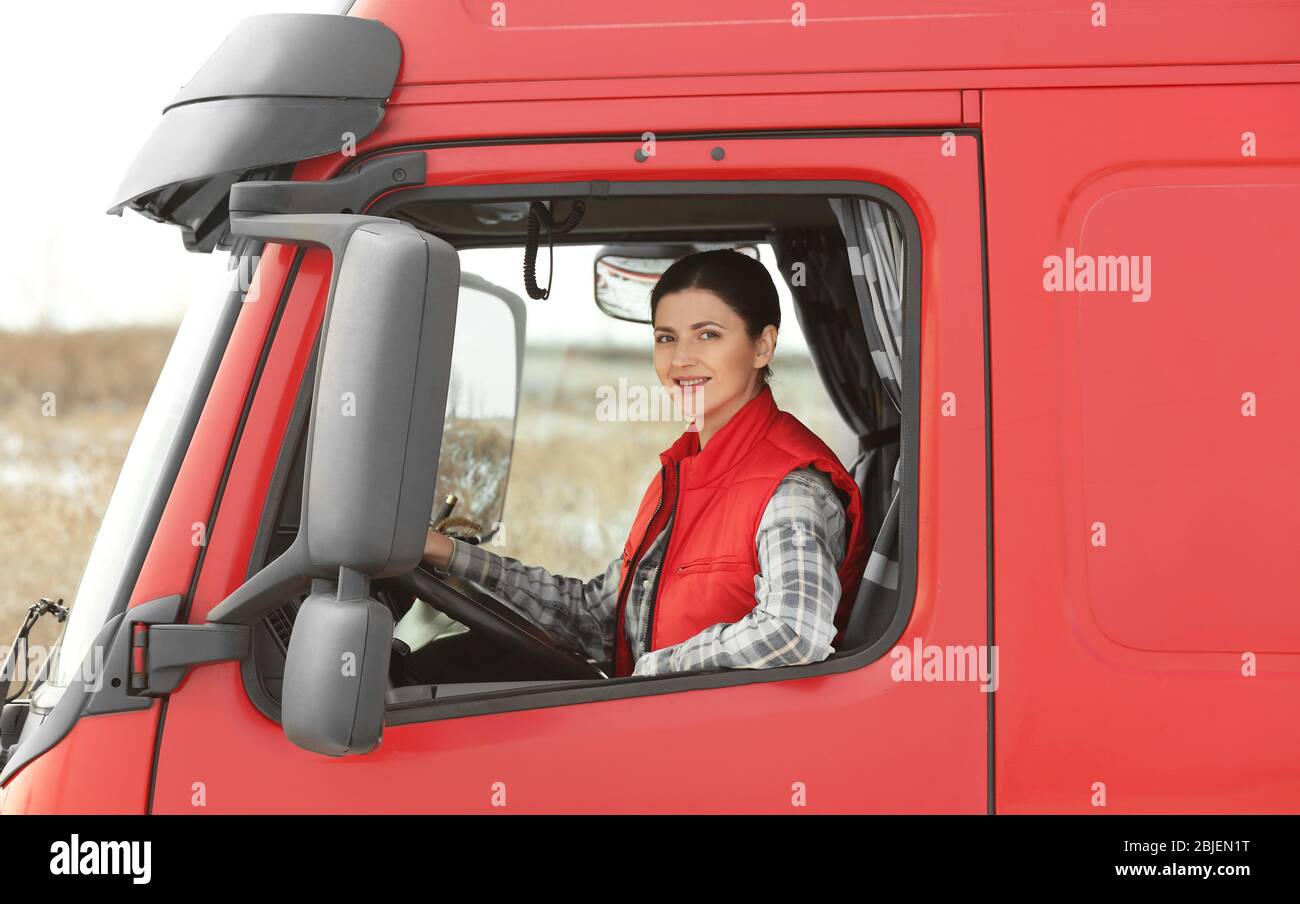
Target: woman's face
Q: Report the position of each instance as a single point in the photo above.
(703, 352)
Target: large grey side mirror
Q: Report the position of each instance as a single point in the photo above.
(371, 469)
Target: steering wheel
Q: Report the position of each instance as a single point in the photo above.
(475, 607)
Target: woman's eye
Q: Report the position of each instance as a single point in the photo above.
(707, 333)
(661, 338)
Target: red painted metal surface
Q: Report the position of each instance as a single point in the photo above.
(1123, 664)
(480, 50)
(918, 747)
(103, 766)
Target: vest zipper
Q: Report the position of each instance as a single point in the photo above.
(632, 566)
(645, 621)
(654, 589)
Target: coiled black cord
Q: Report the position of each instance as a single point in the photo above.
(539, 215)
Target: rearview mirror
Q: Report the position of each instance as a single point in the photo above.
(626, 274)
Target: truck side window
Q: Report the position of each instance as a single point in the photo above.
(549, 433)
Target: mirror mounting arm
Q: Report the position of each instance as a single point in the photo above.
(345, 194)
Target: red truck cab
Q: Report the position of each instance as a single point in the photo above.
(1013, 239)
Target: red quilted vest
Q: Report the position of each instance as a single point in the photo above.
(719, 495)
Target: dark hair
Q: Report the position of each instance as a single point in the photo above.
(738, 279)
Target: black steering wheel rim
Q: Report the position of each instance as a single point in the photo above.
(482, 611)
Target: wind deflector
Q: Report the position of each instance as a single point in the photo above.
(282, 88)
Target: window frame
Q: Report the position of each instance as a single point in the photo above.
(575, 692)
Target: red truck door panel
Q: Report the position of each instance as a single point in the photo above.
(857, 740)
(1145, 439)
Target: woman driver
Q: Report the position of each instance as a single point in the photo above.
(748, 546)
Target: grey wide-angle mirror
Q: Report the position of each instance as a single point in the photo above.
(482, 400)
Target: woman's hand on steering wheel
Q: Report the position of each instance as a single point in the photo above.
(437, 548)
(482, 611)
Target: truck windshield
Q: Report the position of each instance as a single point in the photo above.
(135, 505)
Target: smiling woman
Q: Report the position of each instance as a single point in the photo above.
(716, 315)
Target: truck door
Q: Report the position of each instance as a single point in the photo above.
(886, 729)
(1145, 428)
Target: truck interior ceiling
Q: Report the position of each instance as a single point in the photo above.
(806, 239)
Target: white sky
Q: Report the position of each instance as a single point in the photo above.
(84, 85)
(82, 101)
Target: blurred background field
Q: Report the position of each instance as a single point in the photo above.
(57, 472)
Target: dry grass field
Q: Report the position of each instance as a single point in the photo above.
(57, 471)
(572, 490)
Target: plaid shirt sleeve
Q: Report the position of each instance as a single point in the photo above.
(801, 541)
(578, 614)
